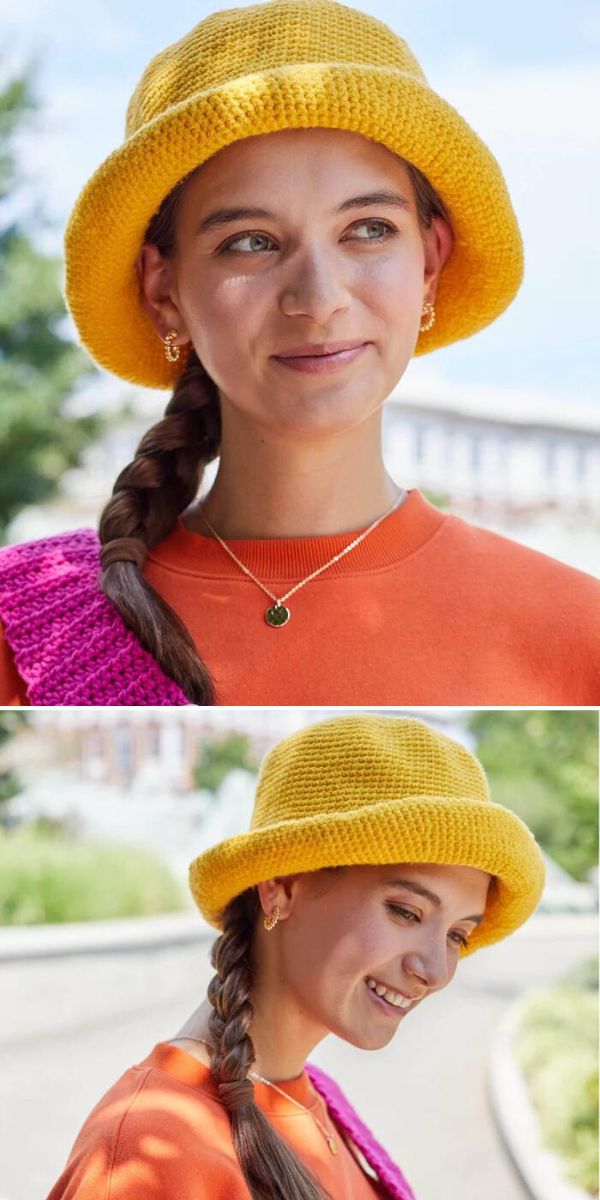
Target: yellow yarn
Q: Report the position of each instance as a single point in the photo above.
(369, 789)
(283, 64)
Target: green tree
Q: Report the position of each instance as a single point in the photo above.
(39, 366)
(543, 764)
(219, 756)
(9, 781)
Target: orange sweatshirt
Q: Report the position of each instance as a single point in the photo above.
(160, 1133)
(428, 609)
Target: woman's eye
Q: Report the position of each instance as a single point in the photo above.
(405, 912)
(389, 231)
(384, 224)
(241, 237)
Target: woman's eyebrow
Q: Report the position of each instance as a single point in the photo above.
(222, 216)
(420, 890)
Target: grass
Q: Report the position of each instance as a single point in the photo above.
(53, 878)
(557, 1050)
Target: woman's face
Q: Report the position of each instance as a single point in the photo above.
(339, 929)
(256, 286)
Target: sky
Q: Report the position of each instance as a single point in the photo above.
(526, 77)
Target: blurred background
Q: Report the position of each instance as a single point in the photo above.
(103, 953)
(503, 428)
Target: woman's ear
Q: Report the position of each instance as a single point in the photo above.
(278, 890)
(438, 243)
(156, 275)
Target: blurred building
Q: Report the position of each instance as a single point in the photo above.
(498, 467)
(503, 465)
(494, 460)
(135, 749)
(117, 746)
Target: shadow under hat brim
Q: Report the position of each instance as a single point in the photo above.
(427, 829)
(105, 231)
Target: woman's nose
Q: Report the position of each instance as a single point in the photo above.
(429, 963)
(315, 286)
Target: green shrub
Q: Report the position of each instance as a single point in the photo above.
(585, 974)
(557, 1049)
(46, 877)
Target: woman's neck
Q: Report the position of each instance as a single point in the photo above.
(276, 487)
(281, 1049)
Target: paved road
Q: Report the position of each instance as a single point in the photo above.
(425, 1095)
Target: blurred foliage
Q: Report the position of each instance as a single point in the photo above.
(219, 756)
(16, 103)
(543, 764)
(39, 367)
(47, 877)
(438, 499)
(9, 787)
(585, 975)
(557, 1050)
(9, 724)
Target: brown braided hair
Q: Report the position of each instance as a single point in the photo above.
(271, 1168)
(165, 476)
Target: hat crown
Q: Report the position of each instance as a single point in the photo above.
(238, 42)
(347, 763)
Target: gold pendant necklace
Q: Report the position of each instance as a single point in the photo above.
(278, 614)
(331, 1142)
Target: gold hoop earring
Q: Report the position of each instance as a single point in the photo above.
(429, 313)
(172, 352)
(270, 922)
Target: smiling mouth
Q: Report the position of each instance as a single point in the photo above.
(399, 1004)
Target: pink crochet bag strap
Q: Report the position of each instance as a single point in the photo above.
(342, 1111)
(70, 644)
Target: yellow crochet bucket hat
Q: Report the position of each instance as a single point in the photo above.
(366, 789)
(283, 64)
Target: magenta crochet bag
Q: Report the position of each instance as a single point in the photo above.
(342, 1111)
(70, 644)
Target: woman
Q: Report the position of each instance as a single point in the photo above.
(375, 861)
(289, 185)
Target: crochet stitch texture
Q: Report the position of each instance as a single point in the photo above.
(371, 789)
(343, 1112)
(70, 644)
(245, 72)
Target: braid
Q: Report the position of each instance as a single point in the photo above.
(271, 1168)
(148, 496)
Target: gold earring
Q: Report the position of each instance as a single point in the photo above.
(429, 313)
(270, 922)
(172, 352)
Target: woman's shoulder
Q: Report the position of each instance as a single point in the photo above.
(74, 546)
(40, 580)
(13, 689)
(152, 1135)
(32, 572)
(69, 643)
(495, 556)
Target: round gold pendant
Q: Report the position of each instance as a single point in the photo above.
(277, 615)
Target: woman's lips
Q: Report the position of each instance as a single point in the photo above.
(320, 363)
(390, 1009)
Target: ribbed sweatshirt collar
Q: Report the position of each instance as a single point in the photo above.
(398, 536)
(181, 1065)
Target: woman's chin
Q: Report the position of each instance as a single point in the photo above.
(316, 418)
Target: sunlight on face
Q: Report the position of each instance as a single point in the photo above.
(347, 926)
(306, 273)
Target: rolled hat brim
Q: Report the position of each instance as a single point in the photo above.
(106, 228)
(419, 829)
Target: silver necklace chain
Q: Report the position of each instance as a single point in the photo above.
(329, 1136)
(280, 615)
